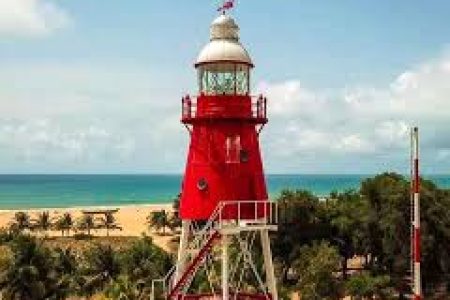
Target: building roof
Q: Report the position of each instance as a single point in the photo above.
(224, 45)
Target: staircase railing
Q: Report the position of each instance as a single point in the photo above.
(192, 268)
(248, 211)
(201, 238)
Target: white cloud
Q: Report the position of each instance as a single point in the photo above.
(31, 17)
(362, 123)
(75, 118)
(80, 118)
(47, 142)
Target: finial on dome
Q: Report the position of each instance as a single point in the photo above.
(224, 28)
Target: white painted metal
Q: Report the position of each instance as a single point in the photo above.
(182, 250)
(416, 211)
(225, 266)
(225, 51)
(417, 279)
(268, 264)
(224, 44)
(242, 230)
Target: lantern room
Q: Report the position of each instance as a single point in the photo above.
(224, 65)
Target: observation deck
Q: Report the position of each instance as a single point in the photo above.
(250, 109)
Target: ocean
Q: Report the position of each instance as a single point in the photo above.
(56, 191)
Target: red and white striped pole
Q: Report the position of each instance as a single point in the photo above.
(417, 285)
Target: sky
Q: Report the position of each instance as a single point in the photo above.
(95, 86)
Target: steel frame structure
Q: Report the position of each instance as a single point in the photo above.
(209, 248)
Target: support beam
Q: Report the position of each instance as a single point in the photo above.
(184, 239)
(225, 271)
(268, 264)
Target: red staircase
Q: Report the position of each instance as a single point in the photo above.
(192, 268)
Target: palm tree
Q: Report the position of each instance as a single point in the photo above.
(64, 223)
(43, 222)
(145, 261)
(21, 221)
(66, 266)
(123, 289)
(87, 223)
(109, 222)
(175, 221)
(158, 220)
(102, 267)
(31, 274)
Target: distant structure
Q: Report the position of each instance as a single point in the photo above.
(415, 216)
(224, 204)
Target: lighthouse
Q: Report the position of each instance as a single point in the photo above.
(224, 250)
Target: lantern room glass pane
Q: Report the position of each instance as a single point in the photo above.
(224, 79)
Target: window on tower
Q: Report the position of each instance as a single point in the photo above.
(233, 149)
(224, 79)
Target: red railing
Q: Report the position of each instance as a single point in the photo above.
(253, 109)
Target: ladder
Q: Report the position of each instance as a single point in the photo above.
(192, 268)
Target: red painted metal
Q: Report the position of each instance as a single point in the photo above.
(237, 109)
(224, 161)
(174, 293)
(416, 176)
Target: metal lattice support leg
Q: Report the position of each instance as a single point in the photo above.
(268, 264)
(225, 271)
(184, 239)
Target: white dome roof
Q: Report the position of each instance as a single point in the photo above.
(223, 50)
(224, 44)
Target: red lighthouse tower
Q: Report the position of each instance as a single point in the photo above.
(224, 161)
(224, 204)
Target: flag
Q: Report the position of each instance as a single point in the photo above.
(227, 5)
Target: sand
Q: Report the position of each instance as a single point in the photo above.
(131, 218)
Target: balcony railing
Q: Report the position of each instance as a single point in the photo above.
(244, 108)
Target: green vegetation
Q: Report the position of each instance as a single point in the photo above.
(354, 244)
(30, 270)
(372, 224)
(314, 267)
(160, 220)
(64, 224)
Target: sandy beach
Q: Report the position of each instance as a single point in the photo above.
(131, 218)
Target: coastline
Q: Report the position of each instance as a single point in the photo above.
(132, 219)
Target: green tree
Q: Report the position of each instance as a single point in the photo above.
(43, 222)
(349, 216)
(101, 267)
(303, 219)
(366, 286)
(64, 223)
(158, 220)
(109, 222)
(175, 221)
(21, 221)
(66, 267)
(86, 223)
(435, 231)
(123, 289)
(144, 261)
(314, 267)
(31, 274)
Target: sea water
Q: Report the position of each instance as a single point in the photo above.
(55, 191)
